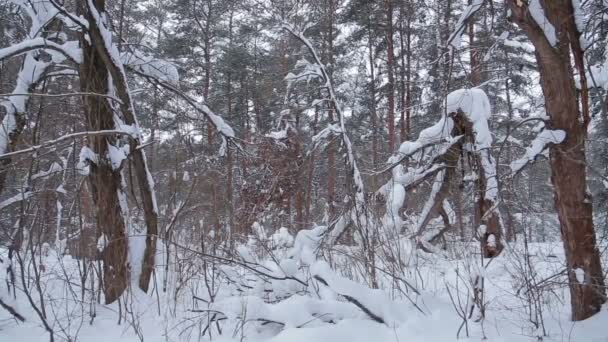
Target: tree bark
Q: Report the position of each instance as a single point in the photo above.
(568, 163)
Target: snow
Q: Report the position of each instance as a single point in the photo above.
(137, 247)
(580, 275)
(282, 239)
(491, 241)
(538, 145)
(217, 121)
(102, 242)
(538, 14)
(581, 22)
(186, 176)
(117, 155)
(432, 134)
(324, 314)
(54, 168)
(277, 135)
(289, 267)
(476, 106)
(86, 156)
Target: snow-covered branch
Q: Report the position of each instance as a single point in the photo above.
(543, 140)
(68, 49)
(63, 138)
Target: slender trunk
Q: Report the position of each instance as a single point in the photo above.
(390, 65)
(207, 80)
(408, 80)
(511, 236)
(229, 161)
(405, 46)
(311, 171)
(473, 54)
(372, 95)
(331, 148)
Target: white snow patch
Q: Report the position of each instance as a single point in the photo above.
(538, 14)
(580, 275)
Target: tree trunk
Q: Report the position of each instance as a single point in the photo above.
(372, 95)
(106, 182)
(331, 148)
(568, 163)
(390, 65)
(144, 178)
(473, 54)
(510, 229)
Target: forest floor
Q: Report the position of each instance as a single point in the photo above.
(526, 299)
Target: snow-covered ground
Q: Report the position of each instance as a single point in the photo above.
(525, 299)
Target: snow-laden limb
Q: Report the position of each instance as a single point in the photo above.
(22, 196)
(53, 168)
(539, 144)
(217, 121)
(149, 65)
(467, 13)
(200, 106)
(374, 303)
(64, 138)
(67, 49)
(277, 135)
(538, 14)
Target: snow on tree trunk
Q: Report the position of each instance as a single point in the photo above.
(568, 162)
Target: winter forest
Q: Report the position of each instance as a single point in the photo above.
(304, 170)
